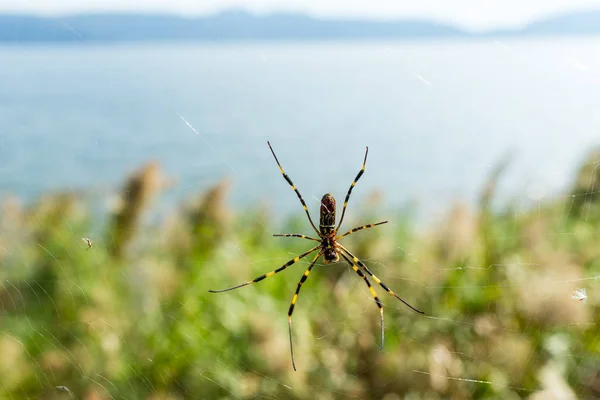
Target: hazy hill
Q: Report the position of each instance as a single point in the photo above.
(240, 25)
(567, 24)
(224, 26)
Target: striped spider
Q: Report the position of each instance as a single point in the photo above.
(328, 247)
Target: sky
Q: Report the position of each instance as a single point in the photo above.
(472, 14)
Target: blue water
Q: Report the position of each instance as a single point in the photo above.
(437, 116)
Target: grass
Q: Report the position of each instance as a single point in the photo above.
(132, 317)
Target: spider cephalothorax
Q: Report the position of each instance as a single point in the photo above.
(328, 247)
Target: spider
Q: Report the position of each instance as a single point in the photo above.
(328, 247)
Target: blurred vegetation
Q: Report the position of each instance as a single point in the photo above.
(131, 316)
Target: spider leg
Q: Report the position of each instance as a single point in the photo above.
(296, 235)
(362, 170)
(350, 232)
(376, 279)
(287, 178)
(291, 310)
(355, 268)
(260, 278)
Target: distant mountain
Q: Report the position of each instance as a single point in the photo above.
(240, 25)
(230, 25)
(581, 23)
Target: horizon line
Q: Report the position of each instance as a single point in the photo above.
(452, 22)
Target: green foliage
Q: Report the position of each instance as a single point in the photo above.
(131, 317)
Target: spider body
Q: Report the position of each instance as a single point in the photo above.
(328, 247)
(327, 229)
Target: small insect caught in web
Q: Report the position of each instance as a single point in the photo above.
(88, 241)
(579, 295)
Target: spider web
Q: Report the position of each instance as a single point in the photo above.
(474, 160)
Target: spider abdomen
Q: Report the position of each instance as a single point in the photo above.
(327, 222)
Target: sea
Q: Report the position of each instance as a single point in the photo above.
(437, 116)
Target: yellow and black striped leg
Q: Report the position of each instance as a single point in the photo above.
(355, 268)
(362, 170)
(287, 178)
(291, 310)
(268, 274)
(360, 228)
(376, 279)
(296, 235)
